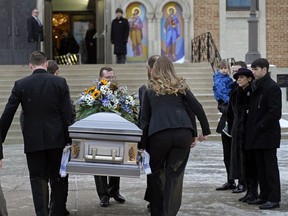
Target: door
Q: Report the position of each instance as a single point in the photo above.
(6, 54)
(14, 45)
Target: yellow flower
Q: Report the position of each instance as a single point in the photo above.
(96, 94)
(104, 82)
(91, 89)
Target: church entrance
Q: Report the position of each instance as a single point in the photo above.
(75, 29)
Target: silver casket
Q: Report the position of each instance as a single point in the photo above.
(104, 144)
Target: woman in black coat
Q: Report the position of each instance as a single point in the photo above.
(166, 124)
(242, 165)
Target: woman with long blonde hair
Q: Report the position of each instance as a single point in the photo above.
(168, 134)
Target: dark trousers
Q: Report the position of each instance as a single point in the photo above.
(169, 151)
(44, 166)
(121, 59)
(268, 174)
(3, 208)
(250, 169)
(105, 188)
(226, 142)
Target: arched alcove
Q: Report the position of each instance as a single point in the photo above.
(160, 12)
(139, 51)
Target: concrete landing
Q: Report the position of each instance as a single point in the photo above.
(205, 171)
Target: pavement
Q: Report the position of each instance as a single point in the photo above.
(205, 171)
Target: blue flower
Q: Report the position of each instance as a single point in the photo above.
(106, 102)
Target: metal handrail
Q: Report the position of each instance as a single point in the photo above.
(204, 49)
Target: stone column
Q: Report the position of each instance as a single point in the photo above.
(157, 29)
(150, 34)
(252, 35)
(187, 43)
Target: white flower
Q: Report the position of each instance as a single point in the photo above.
(89, 100)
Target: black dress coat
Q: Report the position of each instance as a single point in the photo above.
(163, 112)
(90, 42)
(45, 100)
(262, 125)
(236, 118)
(141, 93)
(119, 35)
(35, 31)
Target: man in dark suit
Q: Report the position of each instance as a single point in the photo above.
(3, 208)
(45, 100)
(108, 186)
(119, 36)
(35, 31)
(263, 133)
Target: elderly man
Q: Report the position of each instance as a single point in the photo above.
(263, 133)
(107, 189)
(35, 31)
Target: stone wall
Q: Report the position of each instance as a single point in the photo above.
(277, 32)
(206, 18)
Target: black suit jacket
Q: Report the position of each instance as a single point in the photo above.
(262, 125)
(45, 100)
(168, 112)
(35, 31)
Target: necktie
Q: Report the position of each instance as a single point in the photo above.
(38, 21)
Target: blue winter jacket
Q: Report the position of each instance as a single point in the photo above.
(222, 87)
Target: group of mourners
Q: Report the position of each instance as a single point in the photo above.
(251, 108)
(250, 131)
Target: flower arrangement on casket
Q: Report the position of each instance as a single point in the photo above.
(107, 96)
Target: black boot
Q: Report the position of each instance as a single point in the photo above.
(254, 192)
(244, 198)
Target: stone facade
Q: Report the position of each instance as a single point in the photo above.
(229, 28)
(277, 32)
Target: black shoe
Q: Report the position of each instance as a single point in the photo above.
(149, 207)
(257, 202)
(239, 189)
(119, 198)
(245, 197)
(66, 212)
(227, 186)
(251, 197)
(269, 205)
(104, 201)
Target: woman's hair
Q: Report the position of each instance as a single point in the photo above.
(151, 61)
(223, 64)
(52, 67)
(164, 79)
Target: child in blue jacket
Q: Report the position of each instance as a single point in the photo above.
(222, 83)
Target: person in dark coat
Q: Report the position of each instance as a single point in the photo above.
(119, 36)
(45, 100)
(108, 187)
(263, 133)
(168, 131)
(222, 87)
(90, 42)
(68, 44)
(242, 164)
(226, 137)
(3, 207)
(35, 31)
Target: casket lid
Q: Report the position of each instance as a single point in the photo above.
(105, 123)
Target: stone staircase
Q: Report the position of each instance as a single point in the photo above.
(198, 76)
